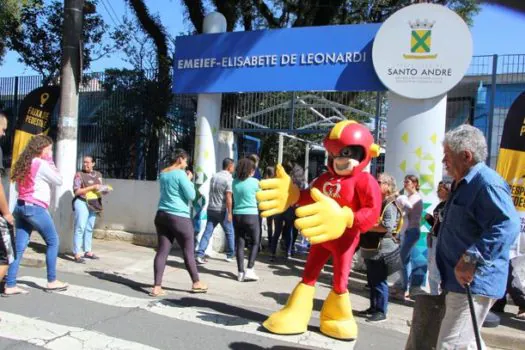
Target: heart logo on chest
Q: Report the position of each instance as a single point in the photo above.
(332, 190)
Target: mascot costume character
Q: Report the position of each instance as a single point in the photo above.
(343, 203)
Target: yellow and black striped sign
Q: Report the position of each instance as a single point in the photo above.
(34, 117)
(511, 158)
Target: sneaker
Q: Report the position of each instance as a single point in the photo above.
(201, 260)
(377, 317)
(250, 275)
(228, 259)
(240, 277)
(365, 313)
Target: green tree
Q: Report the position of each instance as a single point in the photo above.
(159, 89)
(10, 20)
(256, 14)
(37, 36)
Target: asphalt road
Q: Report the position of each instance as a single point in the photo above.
(100, 314)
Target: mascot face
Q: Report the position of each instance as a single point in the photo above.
(350, 147)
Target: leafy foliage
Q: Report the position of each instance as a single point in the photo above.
(10, 20)
(256, 14)
(37, 36)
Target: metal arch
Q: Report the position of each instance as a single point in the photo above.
(303, 103)
(280, 133)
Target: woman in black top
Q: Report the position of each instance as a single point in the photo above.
(434, 221)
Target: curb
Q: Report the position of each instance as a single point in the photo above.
(502, 341)
(30, 261)
(142, 239)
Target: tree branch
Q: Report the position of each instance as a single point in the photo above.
(229, 8)
(196, 13)
(247, 14)
(265, 11)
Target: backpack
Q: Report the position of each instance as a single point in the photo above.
(400, 216)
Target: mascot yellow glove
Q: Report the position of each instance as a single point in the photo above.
(277, 194)
(324, 220)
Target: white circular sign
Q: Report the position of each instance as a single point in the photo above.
(422, 51)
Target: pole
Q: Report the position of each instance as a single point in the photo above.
(492, 105)
(206, 135)
(66, 145)
(376, 131)
(280, 152)
(306, 162)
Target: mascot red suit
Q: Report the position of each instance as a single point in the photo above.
(342, 204)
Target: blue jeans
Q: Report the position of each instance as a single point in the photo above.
(377, 275)
(408, 241)
(28, 218)
(434, 277)
(217, 218)
(84, 223)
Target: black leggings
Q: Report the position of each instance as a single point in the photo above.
(246, 226)
(170, 227)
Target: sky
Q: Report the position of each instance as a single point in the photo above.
(496, 30)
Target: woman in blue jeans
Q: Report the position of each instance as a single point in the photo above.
(87, 181)
(375, 245)
(34, 174)
(409, 238)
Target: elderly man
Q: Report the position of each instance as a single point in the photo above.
(479, 226)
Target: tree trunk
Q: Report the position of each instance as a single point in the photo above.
(161, 93)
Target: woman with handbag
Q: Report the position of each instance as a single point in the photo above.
(381, 252)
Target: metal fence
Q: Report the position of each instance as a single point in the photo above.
(485, 95)
(116, 125)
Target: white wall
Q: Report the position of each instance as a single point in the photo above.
(131, 207)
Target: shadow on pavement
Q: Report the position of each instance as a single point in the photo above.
(226, 309)
(136, 286)
(228, 314)
(507, 320)
(204, 269)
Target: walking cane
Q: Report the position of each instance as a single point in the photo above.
(473, 315)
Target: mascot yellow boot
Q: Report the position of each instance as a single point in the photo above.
(337, 320)
(293, 318)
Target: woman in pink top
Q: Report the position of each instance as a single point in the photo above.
(34, 174)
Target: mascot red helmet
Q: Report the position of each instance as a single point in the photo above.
(350, 133)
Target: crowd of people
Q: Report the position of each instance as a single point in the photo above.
(471, 231)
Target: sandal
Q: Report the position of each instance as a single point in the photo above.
(520, 316)
(201, 289)
(80, 260)
(62, 287)
(91, 256)
(18, 291)
(161, 293)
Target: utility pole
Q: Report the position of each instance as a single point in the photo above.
(66, 144)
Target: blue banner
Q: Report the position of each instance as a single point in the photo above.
(297, 59)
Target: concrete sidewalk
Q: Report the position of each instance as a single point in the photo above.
(132, 265)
